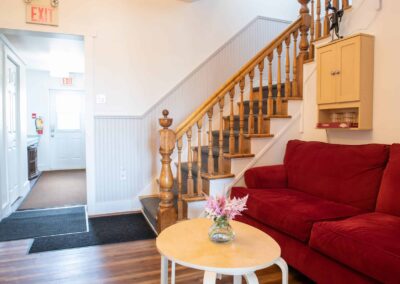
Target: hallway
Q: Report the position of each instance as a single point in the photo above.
(57, 189)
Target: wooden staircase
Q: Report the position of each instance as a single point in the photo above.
(221, 129)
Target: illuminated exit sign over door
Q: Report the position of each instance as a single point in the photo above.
(41, 12)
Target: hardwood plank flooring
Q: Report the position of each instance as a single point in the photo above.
(133, 262)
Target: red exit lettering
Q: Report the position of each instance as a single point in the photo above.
(41, 14)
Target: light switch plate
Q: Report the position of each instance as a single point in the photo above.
(100, 99)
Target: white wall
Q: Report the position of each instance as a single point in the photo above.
(38, 84)
(364, 17)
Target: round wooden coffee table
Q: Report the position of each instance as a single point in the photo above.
(187, 244)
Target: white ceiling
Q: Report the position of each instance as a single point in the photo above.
(50, 52)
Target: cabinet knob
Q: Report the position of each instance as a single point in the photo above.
(337, 72)
(333, 73)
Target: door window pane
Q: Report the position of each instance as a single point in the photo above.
(68, 111)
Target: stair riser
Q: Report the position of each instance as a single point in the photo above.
(225, 167)
(236, 124)
(246, 107)
(194, 175)
(265, 92)
(226, 142)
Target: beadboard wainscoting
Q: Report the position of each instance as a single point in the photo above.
(126, 148)
(119, 169)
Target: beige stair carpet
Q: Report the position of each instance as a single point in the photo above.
(57, 189)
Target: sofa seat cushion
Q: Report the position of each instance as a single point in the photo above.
(349, 174)
(369, 243)
(290, 211)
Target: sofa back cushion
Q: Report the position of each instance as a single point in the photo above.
(348, 174)
(389, 193)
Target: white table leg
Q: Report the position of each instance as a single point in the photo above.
(172, 272)
(251, 278)
(164, 270)
(237, 279)
(209, 277)
(285, 270)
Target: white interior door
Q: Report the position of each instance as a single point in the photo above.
(67, 131)
(12, 128)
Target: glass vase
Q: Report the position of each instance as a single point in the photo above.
(221, 231)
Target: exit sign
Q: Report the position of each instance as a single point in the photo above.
(41, 12)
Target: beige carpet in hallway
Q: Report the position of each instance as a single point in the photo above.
(57, 189)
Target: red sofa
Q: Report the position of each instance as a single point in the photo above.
(334, 209)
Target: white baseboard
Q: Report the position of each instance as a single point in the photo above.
(114, 207)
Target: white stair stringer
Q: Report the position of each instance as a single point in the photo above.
(267, 151)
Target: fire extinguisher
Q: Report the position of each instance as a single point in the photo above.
(39, 125)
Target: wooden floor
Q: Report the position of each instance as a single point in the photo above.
(133, 262)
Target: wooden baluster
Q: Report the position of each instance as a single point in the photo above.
(294, 74)
(166, 215)
(190, 185)
(304, 44)
(335, 3)
(241, 115)
(231, 123)
(326, 19)
(260, 98)
(210, 143)
(318, 21)
(199, 164)
(251, 104)
(221, 136)
(287, 69)
(345, 4)
(180, 202)
(270, 109)
(312, 30)
(279, 81)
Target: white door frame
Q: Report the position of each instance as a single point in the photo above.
(89, 38)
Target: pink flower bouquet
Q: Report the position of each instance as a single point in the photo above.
(222, 207)
(221, 210)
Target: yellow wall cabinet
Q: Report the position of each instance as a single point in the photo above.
(345, 71)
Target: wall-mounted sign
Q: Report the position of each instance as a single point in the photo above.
(42, 12)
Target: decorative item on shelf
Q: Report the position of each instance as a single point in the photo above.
(221, 210)
(335, 18)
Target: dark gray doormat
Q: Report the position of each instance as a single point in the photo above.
(39, 223)
(102, 230)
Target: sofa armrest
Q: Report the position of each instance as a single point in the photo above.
(266, 177)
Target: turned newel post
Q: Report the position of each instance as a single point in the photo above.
(167, 215)
(304, 43)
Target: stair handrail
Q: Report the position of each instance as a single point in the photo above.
(235, 79)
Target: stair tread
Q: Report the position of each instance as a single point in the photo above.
(150, 208)
(204, 150)
(274, 87)
(185, 168)
(236, 133)
(246, 116)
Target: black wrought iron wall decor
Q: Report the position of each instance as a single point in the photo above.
(335, 18)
